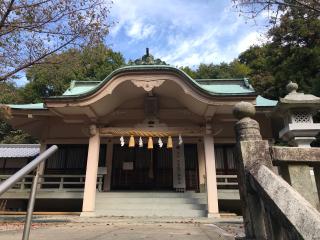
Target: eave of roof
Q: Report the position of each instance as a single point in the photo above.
(260, 102)
(206, 89)
(264, 102)
(30, 106)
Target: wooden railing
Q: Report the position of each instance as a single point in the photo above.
(76, 182)
(272, 209)
(227, 181)
(54, 182)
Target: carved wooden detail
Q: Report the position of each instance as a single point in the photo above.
(147, 85)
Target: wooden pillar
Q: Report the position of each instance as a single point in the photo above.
(109, 157)
(212, 191)
(41, 166)
(89, 195)
(202, 167)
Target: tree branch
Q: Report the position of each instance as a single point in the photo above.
(6, 14)
(4, 77)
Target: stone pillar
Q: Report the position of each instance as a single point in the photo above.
(89, 195)
(317, 180)
(202, 167)
(107, 180)
(299, 177)
(251, 150)
(212, 191)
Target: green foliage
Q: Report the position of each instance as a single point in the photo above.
(10, 94)
(189, 71)
(293, 54)
(91, 63)
(235, 69)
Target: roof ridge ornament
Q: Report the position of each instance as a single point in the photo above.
(147, 59)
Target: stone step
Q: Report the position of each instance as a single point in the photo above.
(165, 204)
(151, 213)
(149, 200)
(150, 194)
(126, 206)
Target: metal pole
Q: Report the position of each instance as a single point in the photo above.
(4, 186)
(32, 198)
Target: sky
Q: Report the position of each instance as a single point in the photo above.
(182, 32)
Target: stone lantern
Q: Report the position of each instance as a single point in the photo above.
(297, 110)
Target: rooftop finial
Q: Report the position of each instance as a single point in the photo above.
(147, 59)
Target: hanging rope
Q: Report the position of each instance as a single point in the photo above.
(144, 133)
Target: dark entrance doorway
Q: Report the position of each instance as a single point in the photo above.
(191, 167)
(141, 169)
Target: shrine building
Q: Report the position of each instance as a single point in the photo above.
(147, 131)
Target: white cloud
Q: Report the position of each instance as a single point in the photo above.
(181, 32)
(253, 38)
(139, 31)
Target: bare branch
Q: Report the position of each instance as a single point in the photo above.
(31, 30)
(6, 14)
(34, 61)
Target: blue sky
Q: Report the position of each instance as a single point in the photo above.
(182, 32)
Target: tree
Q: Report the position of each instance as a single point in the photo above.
(235, 69)
(189, 71)
(9, 94)
(292, 54)
(91, 63)
(32, 30)
(275, 8)
(257, 59)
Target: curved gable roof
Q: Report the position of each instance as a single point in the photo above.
(209, 87)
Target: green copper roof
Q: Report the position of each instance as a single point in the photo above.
(80, 87)
(264, 102)
(31, 106)
(226, 86)
(222, 87)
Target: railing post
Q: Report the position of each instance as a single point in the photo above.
(252, 150)
(61, 183)
(22, 186)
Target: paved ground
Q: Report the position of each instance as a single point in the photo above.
(75, 228)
